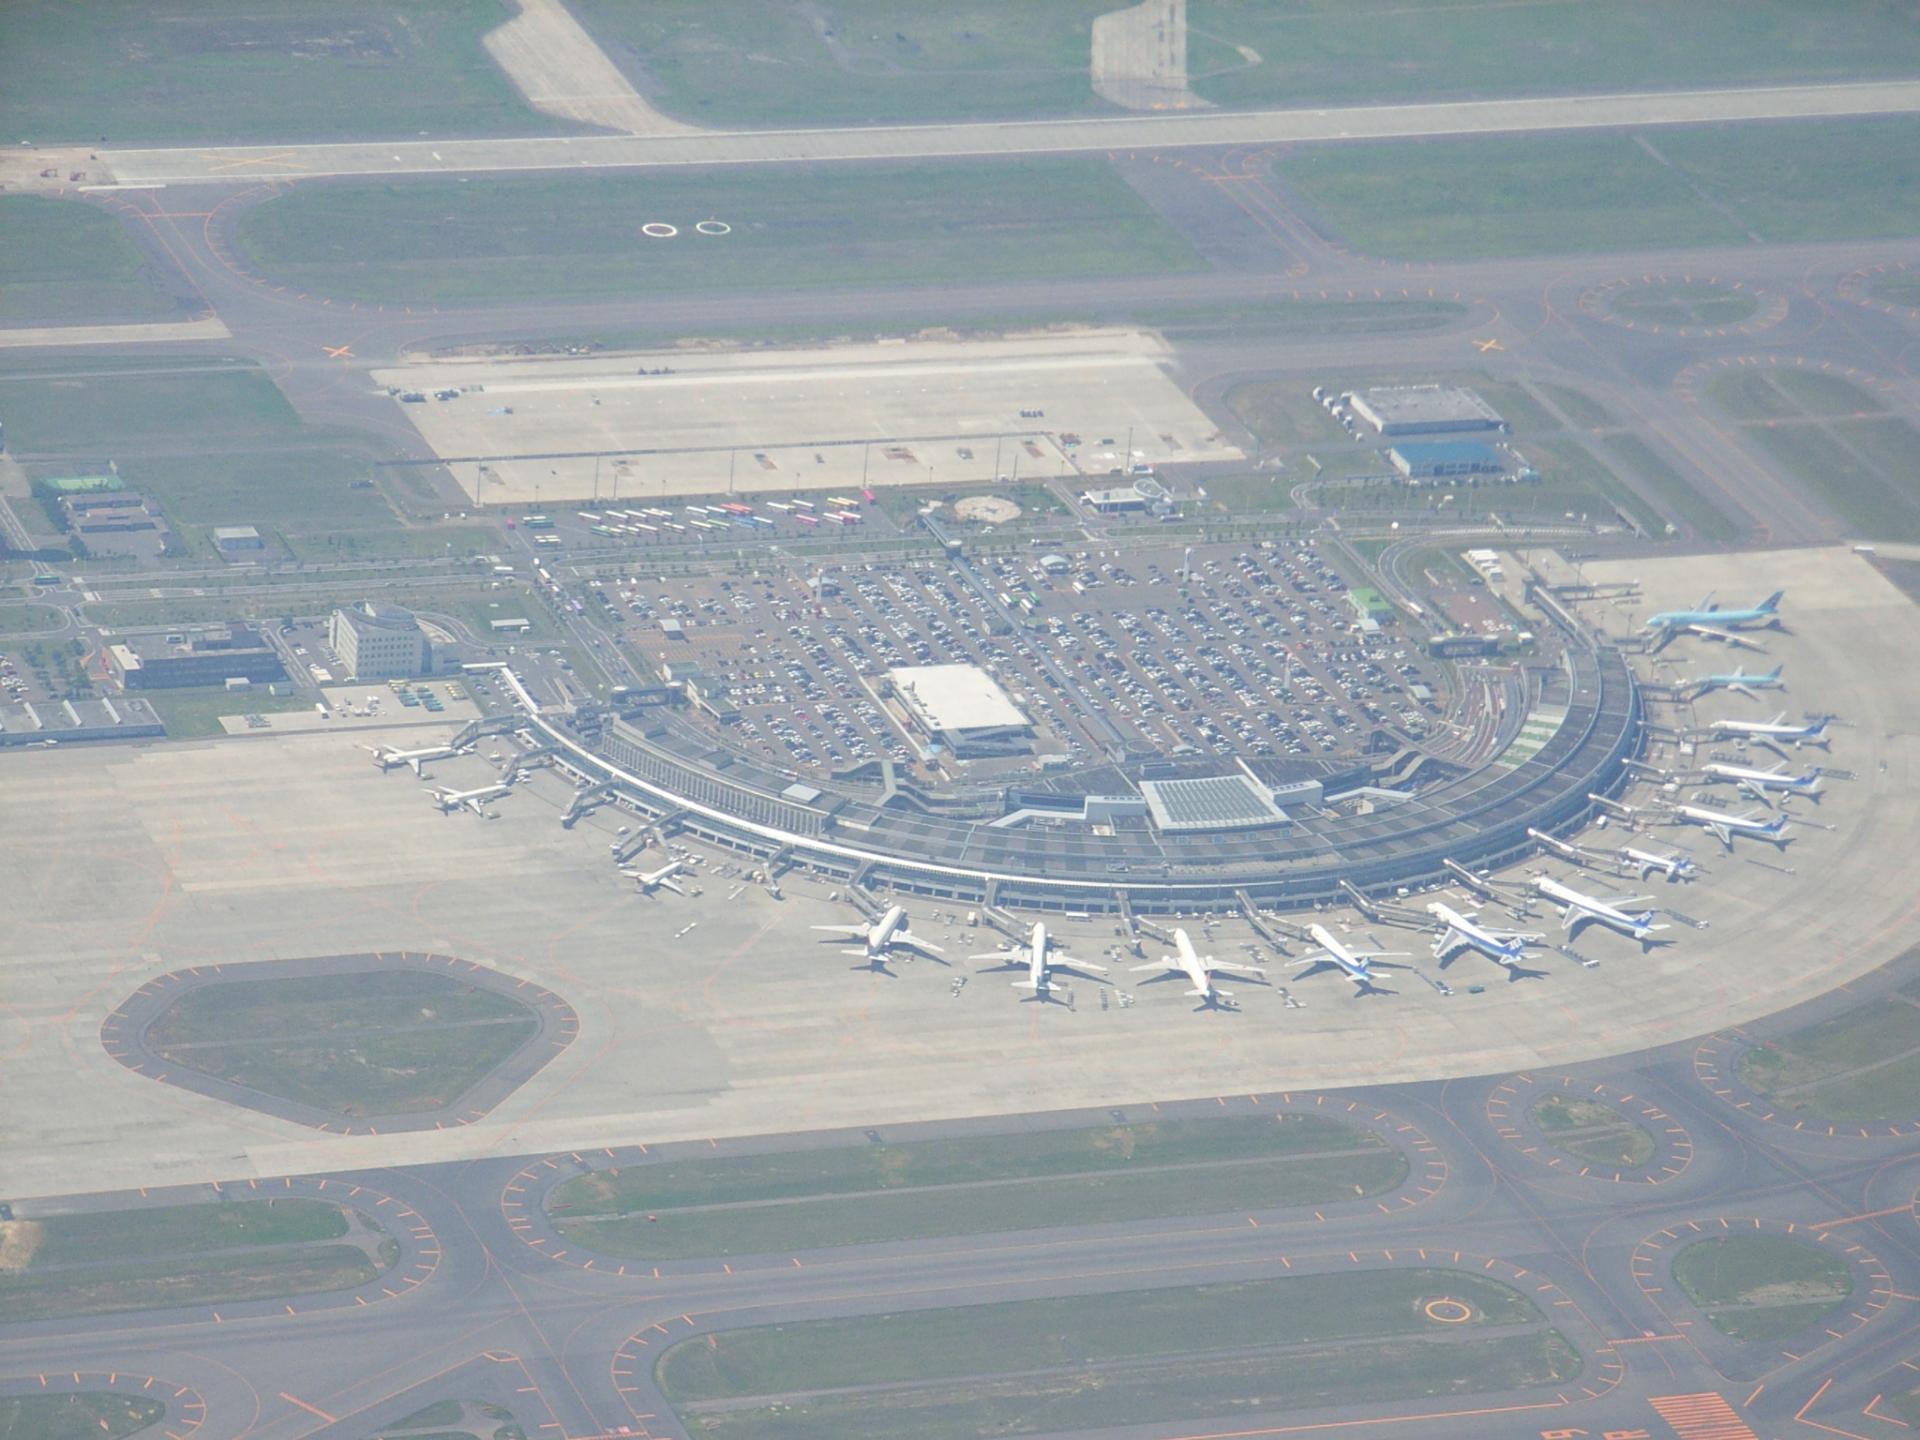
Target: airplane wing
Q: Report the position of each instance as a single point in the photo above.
(1000, 957)
(914, 942)
(670, 884)
(1756, 792)
(1730, 637)
(1069, 963)
(851, 931)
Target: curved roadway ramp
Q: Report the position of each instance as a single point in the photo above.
(251, 163)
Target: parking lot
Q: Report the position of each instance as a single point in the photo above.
(1251, 651)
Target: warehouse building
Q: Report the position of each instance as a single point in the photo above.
(1424, 410)
(380, 642)
(963, 708)
(1445, 459)
(209, 657)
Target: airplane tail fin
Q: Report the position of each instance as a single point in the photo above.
(1772, 602)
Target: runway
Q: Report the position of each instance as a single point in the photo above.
(249, 164)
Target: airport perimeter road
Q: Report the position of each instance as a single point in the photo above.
(246, 164)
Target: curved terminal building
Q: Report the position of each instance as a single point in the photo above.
(1153, 836)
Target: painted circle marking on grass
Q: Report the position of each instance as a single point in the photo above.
(1614, 302)
(1447, 1311)
(714, 227)
(659, 230)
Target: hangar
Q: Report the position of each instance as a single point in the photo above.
(1424, 409)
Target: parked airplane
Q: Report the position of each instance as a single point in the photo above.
(1576, 909)
(1773, 733)
(1709, 616)
(1039, 959)
(881, 936)
(661, 879)
(1741, 683)
(1462, 932)
(1356, 965)
(1756, 783)
(1199, 969)
(1674, 867)
(386, 757)
(1710, 632)
(1724, 827)
(474, 800)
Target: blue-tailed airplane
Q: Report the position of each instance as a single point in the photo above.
(1776, 734)
(1757, 783)
(1741, 683)
(1767, 612)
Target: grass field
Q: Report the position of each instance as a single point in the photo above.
(1098, 1362)
(1760, 1287)
(87, 1415)
(969, 1186)
(1592, 1131)
(1567, 466)
(213, 1280)
(1685, 304)
(169, 1231)
(196, 710)
(213, 440)
(1897, 288)
(1562, 194)
(1266, 493)
(751, 62)
(20, 619)
(794, 227)
(1377, 51)
(1578, 406)
(1860, 1067)
(1685, 501)
(359, 1045)
(254, 71)
(1282, 412)
(1861, 469)
(780, 62)
(67, 263)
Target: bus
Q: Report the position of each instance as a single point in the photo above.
(646, 529)
(779, 505)
(867, 495)
(842, 502)
(696, 510)
(658, 514)
(760, 520)
(734, 507)
(803, 505)
(606, 530)
(808, 519)
(549, 541)
(537, 522)
(675, 525)
(588, 516)
(843, 517)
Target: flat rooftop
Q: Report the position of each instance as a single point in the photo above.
(956, 698)
(1210, 802)
(1401, 408)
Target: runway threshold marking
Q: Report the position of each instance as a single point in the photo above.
(1705, 1416)
(310, 1409)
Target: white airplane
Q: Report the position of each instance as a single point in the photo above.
(1576, 908)
(661, 879)
(1674, 867)
(1741, 683)
(1757, 783)
(880, 936)
(474, 800)
(386, 757)
(1461, 932)
(1039, 959)
(1775, 733)
(1723, 827)
(1198, 969)
(1354, 964)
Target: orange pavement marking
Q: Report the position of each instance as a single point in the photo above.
(310, 1409)
(1706, 1416)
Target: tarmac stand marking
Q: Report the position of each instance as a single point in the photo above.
(1705, 1416)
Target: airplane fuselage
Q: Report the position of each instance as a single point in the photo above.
(1504, 951)
(1637, 927)
(1353, 965)
(885, 928)
(1765, 779)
